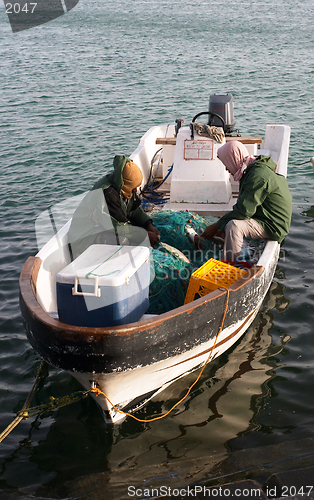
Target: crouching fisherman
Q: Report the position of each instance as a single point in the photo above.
(264, 205)
(111, 212)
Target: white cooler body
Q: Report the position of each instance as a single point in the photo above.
(107, 285)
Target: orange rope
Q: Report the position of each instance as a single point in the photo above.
(98, 391)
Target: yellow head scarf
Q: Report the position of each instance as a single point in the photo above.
(132, 178)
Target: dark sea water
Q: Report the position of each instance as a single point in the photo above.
(75, 92)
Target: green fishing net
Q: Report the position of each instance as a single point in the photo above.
(176, 258)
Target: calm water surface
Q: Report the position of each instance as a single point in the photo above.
(75, 92)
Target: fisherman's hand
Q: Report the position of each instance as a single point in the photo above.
(150, 228)
(154, 238)
(210, 231)
(219, 236)
(198, 242)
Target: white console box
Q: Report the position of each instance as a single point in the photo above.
(198, 175)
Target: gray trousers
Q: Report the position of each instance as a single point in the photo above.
(235, 231)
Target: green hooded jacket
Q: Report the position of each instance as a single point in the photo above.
(265, 197)
(92, 223)
(132, 210)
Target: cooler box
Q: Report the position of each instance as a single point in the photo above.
(107, 285)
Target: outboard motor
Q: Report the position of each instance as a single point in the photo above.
(222, 105)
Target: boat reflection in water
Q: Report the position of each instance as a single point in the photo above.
(225, 402)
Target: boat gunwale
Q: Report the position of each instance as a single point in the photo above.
(27, 286)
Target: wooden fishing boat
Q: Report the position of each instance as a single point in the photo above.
(132, 362)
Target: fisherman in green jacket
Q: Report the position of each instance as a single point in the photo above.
(119, 187)
(264, 205)
(111, 212)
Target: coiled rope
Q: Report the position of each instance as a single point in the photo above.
(98, 392)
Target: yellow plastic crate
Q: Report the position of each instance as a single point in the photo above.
(210, 276)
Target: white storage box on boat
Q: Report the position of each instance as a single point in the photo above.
(107, 285)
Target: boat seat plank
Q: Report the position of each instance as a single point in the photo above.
(245, 140)
(166, 140)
